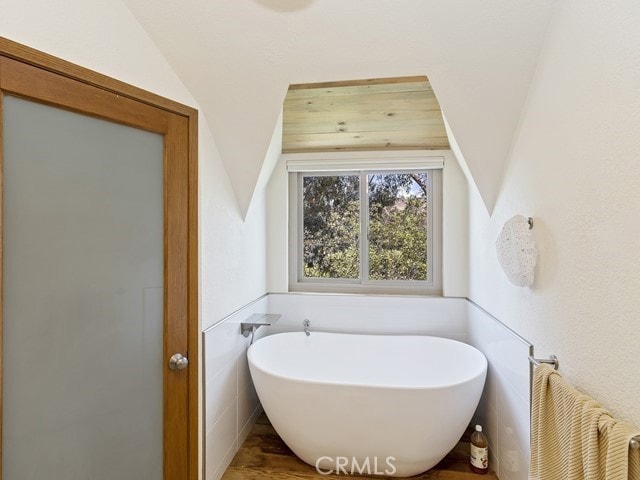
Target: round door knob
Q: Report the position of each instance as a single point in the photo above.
(178, 362)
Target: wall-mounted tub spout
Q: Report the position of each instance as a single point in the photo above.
(306, 324)
(255, 321)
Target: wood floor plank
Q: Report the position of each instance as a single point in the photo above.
(264, 456)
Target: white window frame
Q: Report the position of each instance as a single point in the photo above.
(361, 163)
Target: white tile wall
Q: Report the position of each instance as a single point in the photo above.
(504, 408)
(231, 405)
(231, 402)
(444, 317)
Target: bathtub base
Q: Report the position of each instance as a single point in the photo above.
(393, 434)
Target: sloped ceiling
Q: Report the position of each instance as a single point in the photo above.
(238, 57)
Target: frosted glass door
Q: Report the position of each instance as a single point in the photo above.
(83, 297)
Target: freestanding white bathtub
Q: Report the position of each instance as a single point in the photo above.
(373, 404)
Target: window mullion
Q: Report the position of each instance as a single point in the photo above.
(430, 229)
(300, 225)
(364, 228)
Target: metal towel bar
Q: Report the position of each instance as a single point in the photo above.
(553, 360)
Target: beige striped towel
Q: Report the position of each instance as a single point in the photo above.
(574, 438)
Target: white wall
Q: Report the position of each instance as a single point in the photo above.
(231, 402)
(455, 229)
(278, 229)
(575, 168)
(370, 314)
(503, 411)
(455, 271)
(104, 36)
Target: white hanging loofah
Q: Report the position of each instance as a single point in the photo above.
(517, 251)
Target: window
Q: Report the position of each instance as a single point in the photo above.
(365, 231)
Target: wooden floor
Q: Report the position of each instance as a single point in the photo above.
(265, 456)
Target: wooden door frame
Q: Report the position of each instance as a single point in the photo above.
(31, 74)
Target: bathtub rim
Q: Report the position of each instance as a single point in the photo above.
(370, 386)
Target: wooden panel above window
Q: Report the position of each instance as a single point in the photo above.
(376, 114)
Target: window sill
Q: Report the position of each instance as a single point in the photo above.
(335, 288)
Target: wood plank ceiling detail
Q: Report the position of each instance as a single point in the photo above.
(377, 114)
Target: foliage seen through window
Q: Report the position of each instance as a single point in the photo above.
(396, 241)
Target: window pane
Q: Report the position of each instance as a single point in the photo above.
(398, 226)
(331, 216)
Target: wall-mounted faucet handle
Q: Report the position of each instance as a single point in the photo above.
(306, 324)
(257, 320)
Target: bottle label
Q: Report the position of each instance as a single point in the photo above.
(479, 457)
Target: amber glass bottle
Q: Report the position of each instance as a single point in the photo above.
(479, 458)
